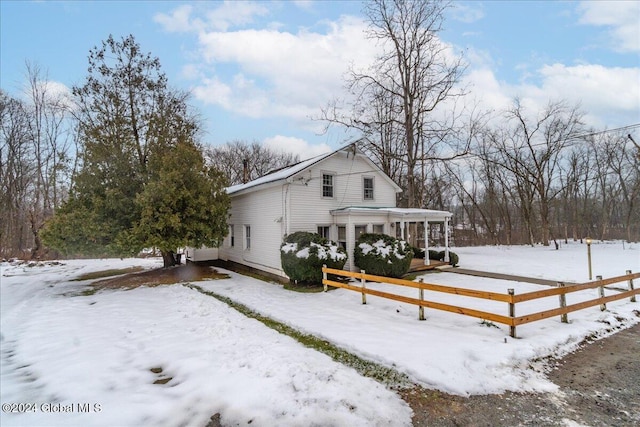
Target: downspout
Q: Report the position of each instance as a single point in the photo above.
(286, 224)
(350, 235)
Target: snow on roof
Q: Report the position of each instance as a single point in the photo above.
(280, 174)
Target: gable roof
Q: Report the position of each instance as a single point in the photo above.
(289, 171)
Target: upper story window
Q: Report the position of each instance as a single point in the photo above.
(367, 186)
(327, 185)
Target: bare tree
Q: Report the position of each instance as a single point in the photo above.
(532, 151)
(617, 180)
(35, 153)
(240, 161)
(576, 188)
(15, 174)
(395, 101)
(48, 114)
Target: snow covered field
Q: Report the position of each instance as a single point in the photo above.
(93, 359)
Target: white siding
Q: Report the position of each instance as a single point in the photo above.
(263, 212)
(310, 209)
(202, 254)
(275, 209)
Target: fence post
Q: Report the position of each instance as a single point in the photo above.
(633, 297)
(603, 307)
(512, 313)
(363, 281)
(421, 296)
(563, 303)
(324, 277)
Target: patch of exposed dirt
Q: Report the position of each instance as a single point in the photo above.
(599, 386)
(161, 276)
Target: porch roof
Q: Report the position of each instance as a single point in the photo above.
(404, 214)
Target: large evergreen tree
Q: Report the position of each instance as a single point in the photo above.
(138, 148)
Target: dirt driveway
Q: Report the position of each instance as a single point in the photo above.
(599, 386)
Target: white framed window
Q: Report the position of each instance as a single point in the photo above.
(360, 230)
(232, 236)
(378, 228)
(367, 188)
(342, 236)
(247, 237)
(323, 230)
(328, 184)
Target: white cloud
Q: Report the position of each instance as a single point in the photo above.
(467, 14)
(304, 4)
(622, 17)
(178, 21)
(296, 146)
(282, 74)
(234, 13)
(228, 14)
(269, 72)
(190, 72)
(485, 87)
(608, 96)
(52, 91)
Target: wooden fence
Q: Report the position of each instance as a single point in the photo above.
(510, 298)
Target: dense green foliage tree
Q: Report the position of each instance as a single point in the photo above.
(137, 148)
(184, 203)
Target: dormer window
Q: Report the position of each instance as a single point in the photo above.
(327, 185)
(367, 188)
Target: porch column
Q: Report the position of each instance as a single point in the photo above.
(427, 261)
(446, 239)
(350, 236)
(402, 230)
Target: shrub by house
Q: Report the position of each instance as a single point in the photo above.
(303, 254)
(383, 255)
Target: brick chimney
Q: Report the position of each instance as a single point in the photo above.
(245, 171)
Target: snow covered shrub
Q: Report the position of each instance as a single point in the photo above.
(303, 254)
(383, 255)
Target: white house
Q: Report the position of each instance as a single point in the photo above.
(339, 195)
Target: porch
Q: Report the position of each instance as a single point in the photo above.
(417, 264)
(401, 223)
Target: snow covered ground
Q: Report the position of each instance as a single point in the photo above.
(93, 359)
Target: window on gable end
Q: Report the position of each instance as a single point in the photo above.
(327, 185)
(367, 187)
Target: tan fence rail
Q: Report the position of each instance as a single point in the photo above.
(510, 298)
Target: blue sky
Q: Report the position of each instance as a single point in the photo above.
(261, 70)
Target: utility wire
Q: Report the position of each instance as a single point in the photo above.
(577, 138)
